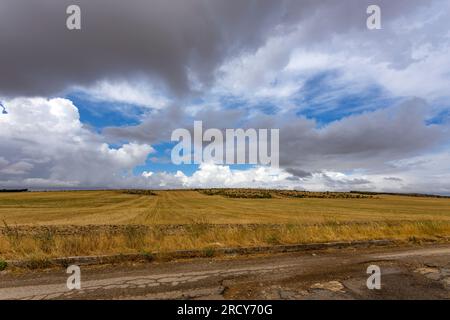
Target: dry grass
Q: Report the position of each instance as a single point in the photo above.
(206, 236)
(51, 224)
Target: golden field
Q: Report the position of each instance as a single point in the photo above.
(50, 224)
(182, 207)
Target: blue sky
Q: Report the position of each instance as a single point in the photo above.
(101, 114)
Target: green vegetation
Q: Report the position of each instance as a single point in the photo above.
(140, 192)
(322, 195)
(238, 193)
(268, 194)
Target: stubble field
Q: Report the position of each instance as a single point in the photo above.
(38, 225)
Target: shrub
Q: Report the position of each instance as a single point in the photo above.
(273, 239)
(140, 192)
(239, 193)
(148, 256)
(3, 265)
(209, 252)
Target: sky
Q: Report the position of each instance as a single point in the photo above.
(357, 109)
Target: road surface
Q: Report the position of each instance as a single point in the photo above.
(406, 273)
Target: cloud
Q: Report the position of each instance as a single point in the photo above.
(368, 141)
(428, 179)
(169, 43)
(363, 151)
(159, 40)
(393, 179)
(45, 145)
(140, 94)
(210, 175)
(156, 127)
(408, 57)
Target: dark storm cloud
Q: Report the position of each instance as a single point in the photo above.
(298, 173)
(162, 40)
(155, 128)
(119, 39)
(368, 140)
(158, 126)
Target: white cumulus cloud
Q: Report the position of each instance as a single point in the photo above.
(44, 144)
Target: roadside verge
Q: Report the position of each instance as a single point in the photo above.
(186, 254)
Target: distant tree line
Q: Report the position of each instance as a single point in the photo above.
(401, 194)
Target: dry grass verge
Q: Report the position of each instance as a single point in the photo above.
(47, 243)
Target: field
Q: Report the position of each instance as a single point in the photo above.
(50, 224)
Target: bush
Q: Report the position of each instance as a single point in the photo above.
(3, 265)
(238, 193)
(140, 192)
(209, 252)
(273, 239)
(148, 256)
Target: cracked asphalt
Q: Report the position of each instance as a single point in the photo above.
(406, 273)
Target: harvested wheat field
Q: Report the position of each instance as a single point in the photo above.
(50, 224)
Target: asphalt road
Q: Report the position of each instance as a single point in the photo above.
(406, 273)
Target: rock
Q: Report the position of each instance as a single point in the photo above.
(286, 295)
(433, 276)
(334, 286)
(427, 270)
(430, 273)
(445, 272)
(446, 282)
